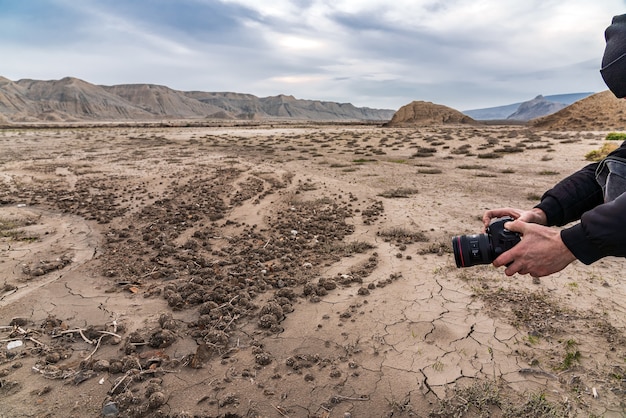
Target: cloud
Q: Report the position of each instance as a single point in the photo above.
(462, 53)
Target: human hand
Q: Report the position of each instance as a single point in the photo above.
(535, 215)
(540, 252)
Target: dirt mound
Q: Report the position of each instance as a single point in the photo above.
(420, 113)
(601, 111)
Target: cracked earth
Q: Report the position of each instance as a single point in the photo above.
(291, 271)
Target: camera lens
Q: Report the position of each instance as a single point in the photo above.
(470, 250)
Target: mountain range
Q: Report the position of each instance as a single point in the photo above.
(74, 100)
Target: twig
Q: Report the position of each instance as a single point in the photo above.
(280, 410)
(348, 398)
(234, 318)
(71, 331)
(84, 337)
(148, 274)
(230, 302)
(113, 390)
(95, 349)
(110, 333)
(87, 340)
(36, 342)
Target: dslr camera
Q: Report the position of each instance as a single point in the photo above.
(470, 250)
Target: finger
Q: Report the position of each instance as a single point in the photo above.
(487, 218)
(516, 226)
(489, 215)
(504, 259)
(510, 271)
(515, 268)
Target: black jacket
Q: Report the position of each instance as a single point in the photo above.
(601, 231)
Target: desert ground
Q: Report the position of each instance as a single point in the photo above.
(292, 270)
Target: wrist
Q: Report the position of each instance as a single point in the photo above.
(539, 216)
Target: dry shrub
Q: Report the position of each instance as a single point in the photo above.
(489, 155)
(597, 155)
(401, 192)
(429, 171)
(471, 167)
(424, 152)
(486, 399)
(403, 235)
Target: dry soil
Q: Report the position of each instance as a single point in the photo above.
(291, 271)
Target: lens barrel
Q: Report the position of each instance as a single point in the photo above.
(470, 250)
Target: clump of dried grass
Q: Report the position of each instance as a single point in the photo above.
(597, 155)
(402, 192)
(403, 235)
(486, 398)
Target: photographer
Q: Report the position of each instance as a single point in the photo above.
(595, 195)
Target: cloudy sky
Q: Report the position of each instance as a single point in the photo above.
(465, 54)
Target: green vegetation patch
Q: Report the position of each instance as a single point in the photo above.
(616, 136)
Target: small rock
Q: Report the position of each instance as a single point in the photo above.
(101, 366)
(53, 357)
(14, 344)
(18, 322)
(363, 291)
(156, 400)
(110, 410)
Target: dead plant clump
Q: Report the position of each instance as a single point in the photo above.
(403, 235)
(401, 192)
(488, 399)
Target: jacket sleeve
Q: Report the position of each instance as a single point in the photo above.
(572, 196)
(602, 228)
(600, 233)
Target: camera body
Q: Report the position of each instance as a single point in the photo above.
(470, 250)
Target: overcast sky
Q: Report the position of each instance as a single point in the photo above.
(465, 54)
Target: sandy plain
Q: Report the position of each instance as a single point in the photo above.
(291, 271)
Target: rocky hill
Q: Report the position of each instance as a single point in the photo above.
(420, 113)
(599, 112)
(71, 100)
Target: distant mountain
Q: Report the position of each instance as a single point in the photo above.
(71, 100)
(535, 108)
(545, 105)
(420, 113)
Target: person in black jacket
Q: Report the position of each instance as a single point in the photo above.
(595, 195)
